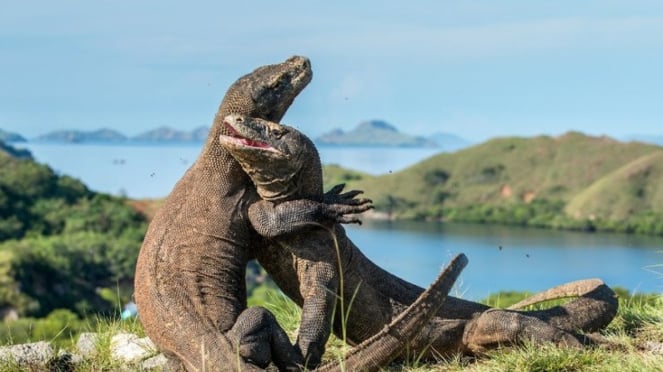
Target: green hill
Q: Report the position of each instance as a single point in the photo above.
(571, 181)
(633, 188)
(62, 246)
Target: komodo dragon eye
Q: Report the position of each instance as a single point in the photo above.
(278, 133)
(274, 84)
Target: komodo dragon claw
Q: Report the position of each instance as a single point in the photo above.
(334, 196)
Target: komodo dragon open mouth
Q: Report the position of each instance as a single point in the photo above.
(236, 138)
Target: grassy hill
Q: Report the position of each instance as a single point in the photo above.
(631, 188)
(62, 246)
(570, 181)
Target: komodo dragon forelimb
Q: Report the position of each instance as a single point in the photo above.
(378, 296)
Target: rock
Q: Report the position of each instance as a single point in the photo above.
(129, 348)
(63, 362)
(34, 354)
(155, 363)
(126, 348)
(653, 347)
(86, 346)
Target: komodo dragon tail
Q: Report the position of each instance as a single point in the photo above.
(380, 349)
(594, 308)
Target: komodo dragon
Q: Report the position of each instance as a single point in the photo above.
(190, 285)
(190, 275)
(284, 165)
(285, 180)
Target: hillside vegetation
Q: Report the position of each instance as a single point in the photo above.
(572, 181)
(67, 253)
(62, 246)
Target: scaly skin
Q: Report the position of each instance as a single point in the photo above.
(317, 268)
(378, 296)
(190, 276)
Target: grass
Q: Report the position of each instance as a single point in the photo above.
(639, 321)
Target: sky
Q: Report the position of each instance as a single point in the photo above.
(477, 69)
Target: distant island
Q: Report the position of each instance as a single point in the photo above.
(11, 137)
(78, 136)
(158, 135)
(166, 134)
(373, 133)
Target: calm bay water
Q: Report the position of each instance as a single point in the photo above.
(151, 171)
(529, 259)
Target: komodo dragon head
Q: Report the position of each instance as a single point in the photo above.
(278, 158)
(267, 92)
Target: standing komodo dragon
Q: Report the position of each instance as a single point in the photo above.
(284, 165)
(190, 275)
(190, 285)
